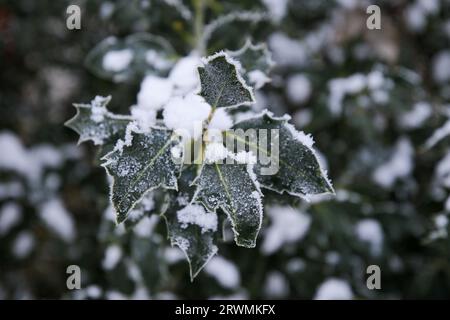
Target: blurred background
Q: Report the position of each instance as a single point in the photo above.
(372, 99)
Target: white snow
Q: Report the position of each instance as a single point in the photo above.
(145, 118)
(184, 75)
(288, 225)
(224, 272)
(302, 118)
(438, 135)
(157, 61)
(287, 51)
(117, 60)
(11, 190)
(334, 289)
(441, 67)
(442, 171)
(215, 152)
(23, 244)
(58, 219)
(173, 255)
(154, 93)
(398, 166)
(112, 256)
(98, 109)
(277, 9)
(10, 216)
(186, 115)
(29, 163)
(197, 215)
(257, 78)
(369, 230)
(220, 120)
(276, 285)
(354, 84)
(415, 117)
(298, 88)
(300, 136)
(145, 227)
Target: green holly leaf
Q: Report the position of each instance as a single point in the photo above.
(139, 165)
(189, 226)
(256, 62)
(94, 122)
(232, 187)
(298, 171)
(131, 58)
(221, 84)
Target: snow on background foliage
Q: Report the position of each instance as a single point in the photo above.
(375, 102)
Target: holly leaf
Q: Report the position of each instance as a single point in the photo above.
(256, 62)
(221, 84)
(189, 226)
(296, 169)
(140, 166)
(233, 188)
(124, 60)
(94, 122)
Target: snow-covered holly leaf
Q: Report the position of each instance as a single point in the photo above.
(142, 164)
(221, 84)
(94, 122)
(256, 62)
(232, 187)
(190, 226)
(299, 171)
(131, 58)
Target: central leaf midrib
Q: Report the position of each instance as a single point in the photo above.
(225, 186)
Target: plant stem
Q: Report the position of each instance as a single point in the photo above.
(199, 21)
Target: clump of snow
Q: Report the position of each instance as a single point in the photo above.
(288, 225)
(354, 84)
(154, 93)
(276, 285)
(23, 244)
(197, 215)
(287, 51)
(215, 152)
(145, 118)
(334, 289)
(117, 60)
(98, 109)
(441, 67)
(184, 114)
(398, 166)
(176, 151)
(184, 75)
(224, 272)
(112, 256)
(157, 61)
(220, 120)
(244, 157)
(56, 216)
(369, 230)
(10, 216)
(298, 88)
(414, 118)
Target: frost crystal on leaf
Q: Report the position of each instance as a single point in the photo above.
(221, 84)
(299, 171)
(140, 167)
(232, 188)
(94, 122)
